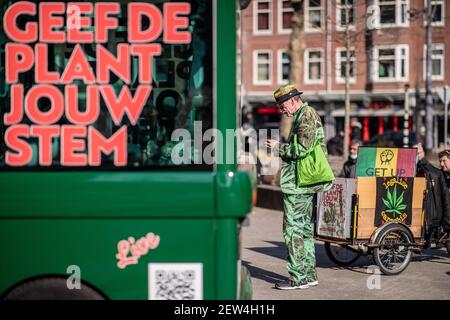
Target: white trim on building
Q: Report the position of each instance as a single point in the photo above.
(401, 8)
(256, 12)
(280, 12)
(280, 62)
(308, 10)
(257, 62)
(340, 59)
(308, 60)
(435, 56)
(441, 3)
(340, 5)
(400, 69)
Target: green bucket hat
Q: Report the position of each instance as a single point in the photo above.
(285, 92)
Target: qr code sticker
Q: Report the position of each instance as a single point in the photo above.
(175, 281)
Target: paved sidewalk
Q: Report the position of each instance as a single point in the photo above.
(264, 254)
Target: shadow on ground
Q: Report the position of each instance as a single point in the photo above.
(435, 255)
(277, 249)
(262, 274)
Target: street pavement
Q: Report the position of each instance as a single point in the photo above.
(264, 253)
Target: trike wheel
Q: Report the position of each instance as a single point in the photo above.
(341, 255)
(393, 254)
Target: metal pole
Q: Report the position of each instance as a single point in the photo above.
(347, 84)
(428, 96)
(406, 118)
(417, 114)
(446, 116)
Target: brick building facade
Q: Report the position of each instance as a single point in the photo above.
(387, 53)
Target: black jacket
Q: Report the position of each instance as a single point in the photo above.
(437, 204)
(349, 169)
(447, 179)
(446, 219)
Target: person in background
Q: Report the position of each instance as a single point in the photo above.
(444, 162)
(437, 206)
(335, 146)
(349, 168)
(356, 129)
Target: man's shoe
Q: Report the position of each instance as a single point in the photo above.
(313, 283)
(291, 285)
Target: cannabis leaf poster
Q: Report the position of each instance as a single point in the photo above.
(334, 209)
(394, 200)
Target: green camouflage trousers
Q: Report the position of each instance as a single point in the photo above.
(298, 235)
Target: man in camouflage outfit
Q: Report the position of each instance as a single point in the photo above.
(298, 201)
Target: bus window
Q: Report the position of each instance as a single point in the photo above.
(181, 95)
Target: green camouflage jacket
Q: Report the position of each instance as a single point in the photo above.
(308, 128)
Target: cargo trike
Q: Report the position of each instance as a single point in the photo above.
(379, 216)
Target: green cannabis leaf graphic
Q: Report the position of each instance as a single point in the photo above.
(393, 203)
(330, 215)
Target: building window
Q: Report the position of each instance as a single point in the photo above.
(437, 62)
(313, 19)
(285, 12)
(284, 64)
(391, 63)
(393, 12)
(438, 12)
(341, 58)
(313, 63)
(386, 63)
(437, 56)
(262, 17)
(262, 66)
(387, 11)
(344, 6)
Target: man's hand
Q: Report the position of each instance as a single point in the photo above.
(270, 143)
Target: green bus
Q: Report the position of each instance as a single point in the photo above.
(105, 226)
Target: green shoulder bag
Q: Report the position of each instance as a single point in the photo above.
(314, 167)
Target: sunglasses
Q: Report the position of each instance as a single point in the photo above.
(282, 106)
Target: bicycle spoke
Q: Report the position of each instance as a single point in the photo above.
(392, 253)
